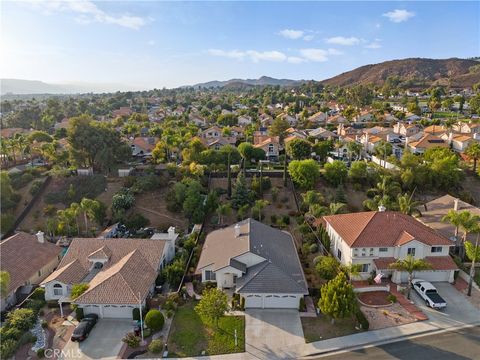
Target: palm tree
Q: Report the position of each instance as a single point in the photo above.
(89, 208)
(338, 145)
(410, 265)
(223, 210)
(453, 217)
(335, 208)
(407, 205)
(473, 254)
(4, 283)
(473, 152)
(353, 148)
(259, 206)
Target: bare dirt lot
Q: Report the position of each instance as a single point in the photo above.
(383, 317)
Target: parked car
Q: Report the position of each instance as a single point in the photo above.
(84, 327)
(429, 293)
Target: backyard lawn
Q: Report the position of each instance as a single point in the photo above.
(190, 335)
(321, 328)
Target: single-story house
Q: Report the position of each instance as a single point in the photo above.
(28, 259)
(120, 273)
(376, 239)
(259, 262)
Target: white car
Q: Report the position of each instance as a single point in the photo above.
(429, 293)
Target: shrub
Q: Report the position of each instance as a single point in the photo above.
(156, 346)
(286, 219)
(41, 353)
(34, 305)
(313, 248)
(170, 313)
(9, 332)
(273, 218)
(392, 298)
(302, 306)
(22, 319)
(131, 340)
(327, 267)
(79, 313)
(35, 188)
(38, 294)
(242, 303)
(8, 348)
(362, 320)
(44, 324)
(154, 320)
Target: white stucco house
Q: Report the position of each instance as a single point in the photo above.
(120, 273)
(375, 239)
(259, 262)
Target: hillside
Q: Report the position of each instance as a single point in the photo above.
(414, 72)
(235, 83)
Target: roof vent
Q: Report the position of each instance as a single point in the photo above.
(382, 208)
(237, 230)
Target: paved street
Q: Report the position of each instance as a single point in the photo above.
(456, 345)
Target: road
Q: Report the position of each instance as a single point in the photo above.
(455, 345)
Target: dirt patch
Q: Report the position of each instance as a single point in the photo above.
(375, 298)
(393, 315)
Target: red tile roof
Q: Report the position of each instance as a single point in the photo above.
(389, 228)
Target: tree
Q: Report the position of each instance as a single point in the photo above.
(338, 299)
(464, 220)
(473, 152)
(223, 210)
(407, 205)
(383, 149)
(351, 270)
(299, 149)
(279, 128)
(258, 207)
(246, 151)
(354, 148)
(154, 320)
(304, 172)
(358, 172)
(89, 208)
(410, 265)
(322, 149)
(78, 289)
(473, 254)
(212, 305)
(193, 206)
(336, 172)
(4, 283)
(21, 319)
(121, 202)
(327, 267)
(241, 194)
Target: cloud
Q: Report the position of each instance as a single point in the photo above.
(253, 55)
(308, 37)
(291, 34)
(88, 12)
(341, 40)
(398, 16)
(295, 60)
(318, 55)
(375, 44)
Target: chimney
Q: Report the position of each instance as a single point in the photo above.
(40, 237)
(455, 204)
(382, 208)
(237, 230)
(171, 232)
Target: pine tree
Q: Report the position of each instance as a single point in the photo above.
(338, 299)
(241, 195)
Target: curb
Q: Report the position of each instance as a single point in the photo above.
(337, 351)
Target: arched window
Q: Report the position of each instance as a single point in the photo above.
(57, 289)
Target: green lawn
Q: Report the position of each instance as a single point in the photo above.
(321, 328)
(190, 335)
(444, 114)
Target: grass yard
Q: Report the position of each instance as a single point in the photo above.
(321, 328)
(190, 335)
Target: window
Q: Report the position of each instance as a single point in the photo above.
(364, 268)
(411, 251)
(57, 289)
(436, 249)
(339, 254)
(210, 275)
(382, 249)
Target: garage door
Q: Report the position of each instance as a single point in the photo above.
(91, 309)
(253, 301)
(278, 301)
(433, 276)
(117, 311)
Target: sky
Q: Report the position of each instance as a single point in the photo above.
(152, 44)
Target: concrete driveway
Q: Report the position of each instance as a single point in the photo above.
(104, 341)
(271, 333)
(459, 310)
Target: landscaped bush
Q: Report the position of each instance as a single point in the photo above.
(313, 248)
(242, 303)
(79, 313)
(8, 348)
(38, 294)
(362, 320)
(156, 346)
(154, 320)
(34, 305)
(327, 267)
(19, 181)
(146, 183)
(22, 319)
(392, 298)
(131, 340)
(37, 184)
(302, 306)
(41, 353)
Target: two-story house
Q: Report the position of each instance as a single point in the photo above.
(259, 262)
(376, 239)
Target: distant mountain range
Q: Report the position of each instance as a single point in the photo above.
(414, 72)
(410, 73)
(24, 87)
(262, 81)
